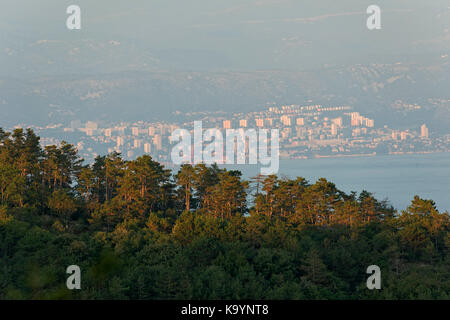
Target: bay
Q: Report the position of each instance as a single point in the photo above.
(394, 177)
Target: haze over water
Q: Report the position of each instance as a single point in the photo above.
(395, 177)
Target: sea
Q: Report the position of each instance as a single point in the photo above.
(396, 178)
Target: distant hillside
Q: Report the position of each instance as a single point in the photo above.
(374, 89)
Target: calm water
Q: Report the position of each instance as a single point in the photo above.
(395, 177)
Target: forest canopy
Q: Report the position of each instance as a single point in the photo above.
(139, 231)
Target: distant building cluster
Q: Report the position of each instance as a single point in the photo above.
(131, 140)
(305, 132)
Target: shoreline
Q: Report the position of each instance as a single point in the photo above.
(355, 155)
(338, 156)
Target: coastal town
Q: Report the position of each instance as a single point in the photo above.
(311, 131)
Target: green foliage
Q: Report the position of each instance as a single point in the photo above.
(139, 232)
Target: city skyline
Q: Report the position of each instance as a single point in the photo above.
(305, 132)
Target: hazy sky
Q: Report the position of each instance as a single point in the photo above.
(213, 34)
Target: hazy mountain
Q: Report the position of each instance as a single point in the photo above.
(374, 89)
(153, 58)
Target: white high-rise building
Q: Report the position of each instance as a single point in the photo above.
(424, 131)
(300, 121)
(92, 125)
(137, 143)
(337, 121)
(285, 120)
(120, 141)
(403, 135)
(370, 123)
(356, 119)
(227, 124)
(333, 129)
(157, 141)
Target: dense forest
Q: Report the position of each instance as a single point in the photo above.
(139, 231)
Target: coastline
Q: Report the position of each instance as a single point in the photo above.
(355, 155)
